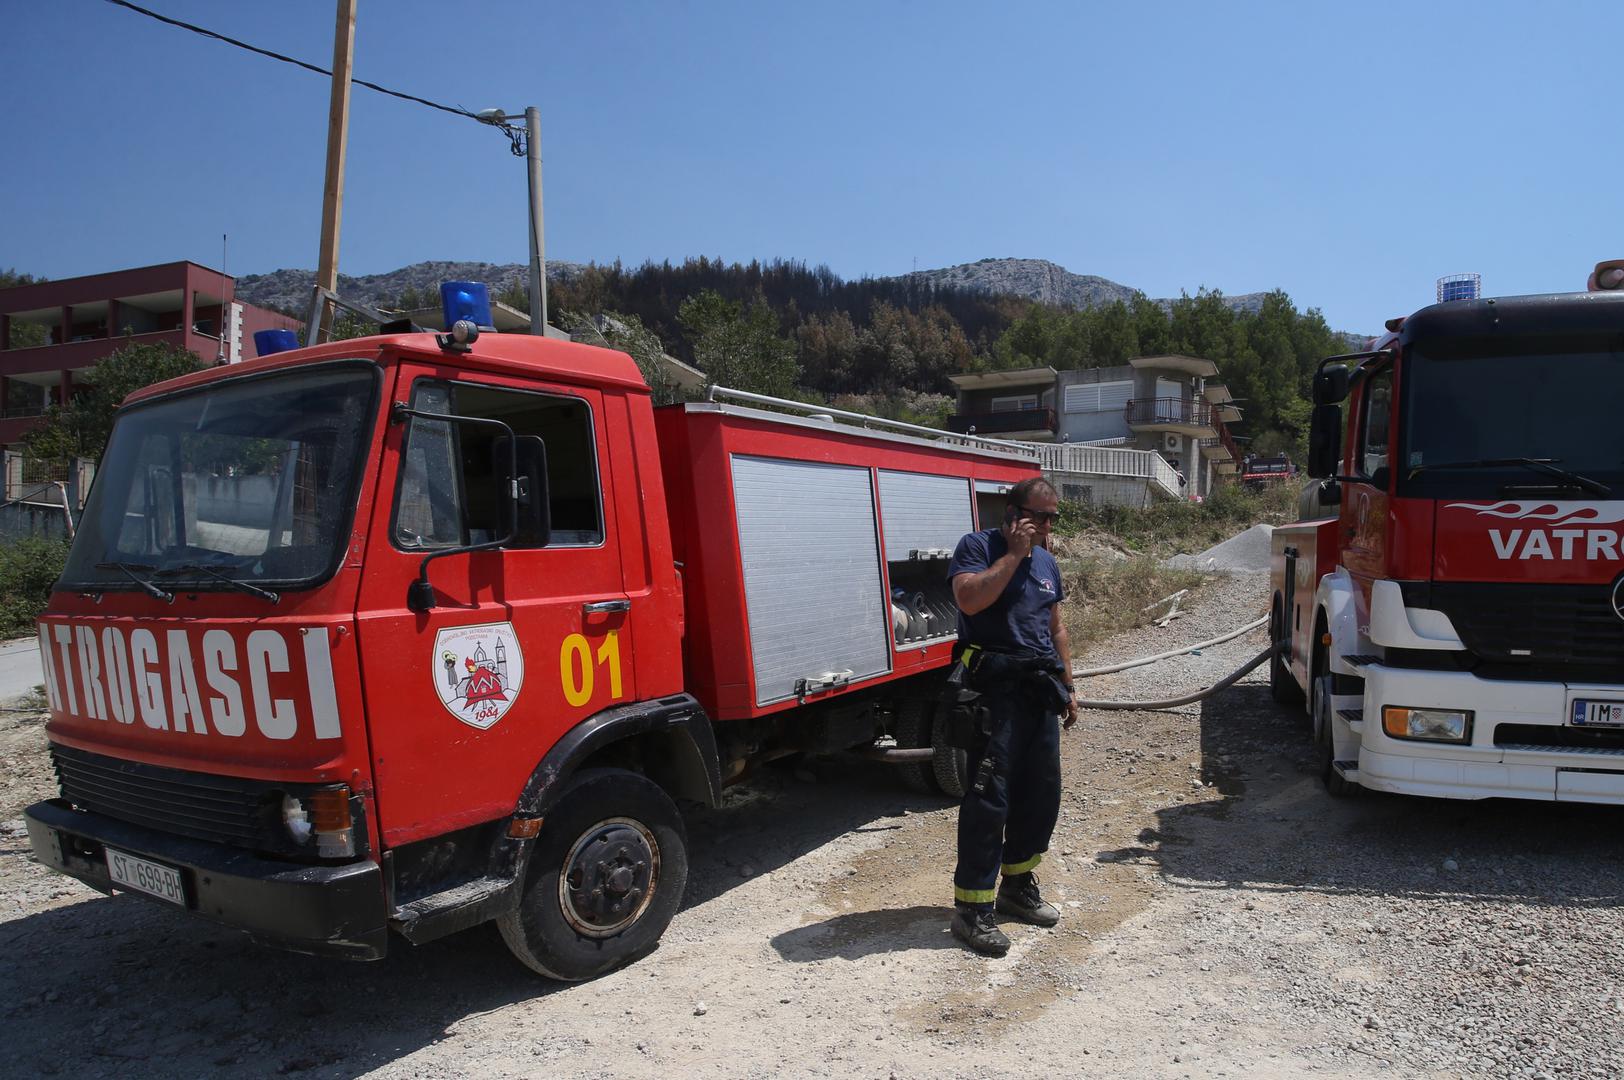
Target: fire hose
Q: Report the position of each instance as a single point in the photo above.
(1170, 703)
(898, 756)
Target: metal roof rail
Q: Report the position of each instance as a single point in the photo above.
(864, 420)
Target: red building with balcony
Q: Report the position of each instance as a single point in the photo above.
(83, 320)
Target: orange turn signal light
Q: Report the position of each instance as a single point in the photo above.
(329, 809)
(524, 828)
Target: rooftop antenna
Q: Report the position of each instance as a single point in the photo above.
(225, 313)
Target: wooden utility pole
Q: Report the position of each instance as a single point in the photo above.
(338, 130)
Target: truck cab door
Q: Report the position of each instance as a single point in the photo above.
(1364, 531)
(522, 643)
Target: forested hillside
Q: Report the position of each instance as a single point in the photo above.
(784, 328)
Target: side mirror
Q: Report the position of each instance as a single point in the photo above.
(526, 518)
(1330, 493)
(1324, 439)
(1331, 384)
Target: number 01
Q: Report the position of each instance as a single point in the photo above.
(575, 668)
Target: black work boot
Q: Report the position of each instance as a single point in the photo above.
(974, 927)
(1018, 897)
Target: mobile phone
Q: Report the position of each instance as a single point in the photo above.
(1010, 515)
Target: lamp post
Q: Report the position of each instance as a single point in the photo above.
(528, 145)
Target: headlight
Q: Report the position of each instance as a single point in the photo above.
(295, 819)
(1434, 725)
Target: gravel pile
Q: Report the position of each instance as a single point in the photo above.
(1245, 553)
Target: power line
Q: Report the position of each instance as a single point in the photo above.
(454, 110)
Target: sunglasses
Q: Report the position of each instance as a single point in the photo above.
(1041, 517)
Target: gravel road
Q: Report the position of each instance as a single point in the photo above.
(1222, 917)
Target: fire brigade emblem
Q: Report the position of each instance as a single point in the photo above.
(478, 671)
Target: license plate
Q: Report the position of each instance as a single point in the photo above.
(146, 876)
(1588, 712)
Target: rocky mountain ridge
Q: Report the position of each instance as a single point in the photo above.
(290, 290)
(1031, 279)
(1050, 283)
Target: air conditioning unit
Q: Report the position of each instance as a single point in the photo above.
(1172, 441)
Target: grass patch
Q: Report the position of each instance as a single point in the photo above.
(28, 569)
(1107, 595)
(1168, 528)
(1111, 556)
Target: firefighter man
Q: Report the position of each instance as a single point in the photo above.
(1014, 652)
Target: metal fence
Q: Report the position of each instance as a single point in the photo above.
(1109, 461)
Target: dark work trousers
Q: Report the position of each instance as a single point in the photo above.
(1006, 826)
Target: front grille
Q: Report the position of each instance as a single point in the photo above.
(219, 809)
(1571, 625)
(1550, 737)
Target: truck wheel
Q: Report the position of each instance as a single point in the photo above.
(604, 879)
(915, 718)
(1282, 687)
(1325, 743)
(950, 767)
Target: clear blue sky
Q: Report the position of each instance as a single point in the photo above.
(1348, 153)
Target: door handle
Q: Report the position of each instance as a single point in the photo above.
(604, 607)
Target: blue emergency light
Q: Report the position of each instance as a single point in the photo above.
(267, 342)
(466, 300)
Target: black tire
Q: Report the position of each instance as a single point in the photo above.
(949, 767)
(1336, 784)
(604, 879)
(915, 719)
(1282, 687)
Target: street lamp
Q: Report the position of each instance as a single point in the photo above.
(527, 144)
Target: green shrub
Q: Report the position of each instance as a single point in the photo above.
(28, 569)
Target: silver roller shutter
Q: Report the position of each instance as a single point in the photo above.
(812, 583)
(923, 513)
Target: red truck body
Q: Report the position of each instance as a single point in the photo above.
(1451, 610)
(253, 720)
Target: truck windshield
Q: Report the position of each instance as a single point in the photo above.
(251, 480)
(1472, 408)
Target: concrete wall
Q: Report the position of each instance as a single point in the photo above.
(1100, 490)
(20, 520)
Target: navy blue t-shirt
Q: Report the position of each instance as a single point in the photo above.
(1018, 621)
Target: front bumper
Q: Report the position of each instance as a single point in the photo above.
(331, 910)
(1493, 764)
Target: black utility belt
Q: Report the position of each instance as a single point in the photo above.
(986, 667)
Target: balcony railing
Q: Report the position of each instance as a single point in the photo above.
(999, 423)
(1222, 439)
(1170, 412)
(1108, 461)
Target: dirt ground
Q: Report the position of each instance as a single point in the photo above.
(1222, 917)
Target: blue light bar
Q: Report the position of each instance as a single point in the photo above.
(267, 342)
(469, 300)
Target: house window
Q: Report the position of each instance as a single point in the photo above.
(1097, 397)
(1014, 403)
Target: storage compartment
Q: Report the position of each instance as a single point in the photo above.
(811, 567)
(793, 536)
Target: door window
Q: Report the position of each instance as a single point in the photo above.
(450, 493)
(1374, 435)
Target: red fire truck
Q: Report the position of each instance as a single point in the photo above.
(1451, 608)
(412, 632)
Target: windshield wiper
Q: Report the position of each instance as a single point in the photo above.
(1537, 464)
(199, 568)
(129, 570)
